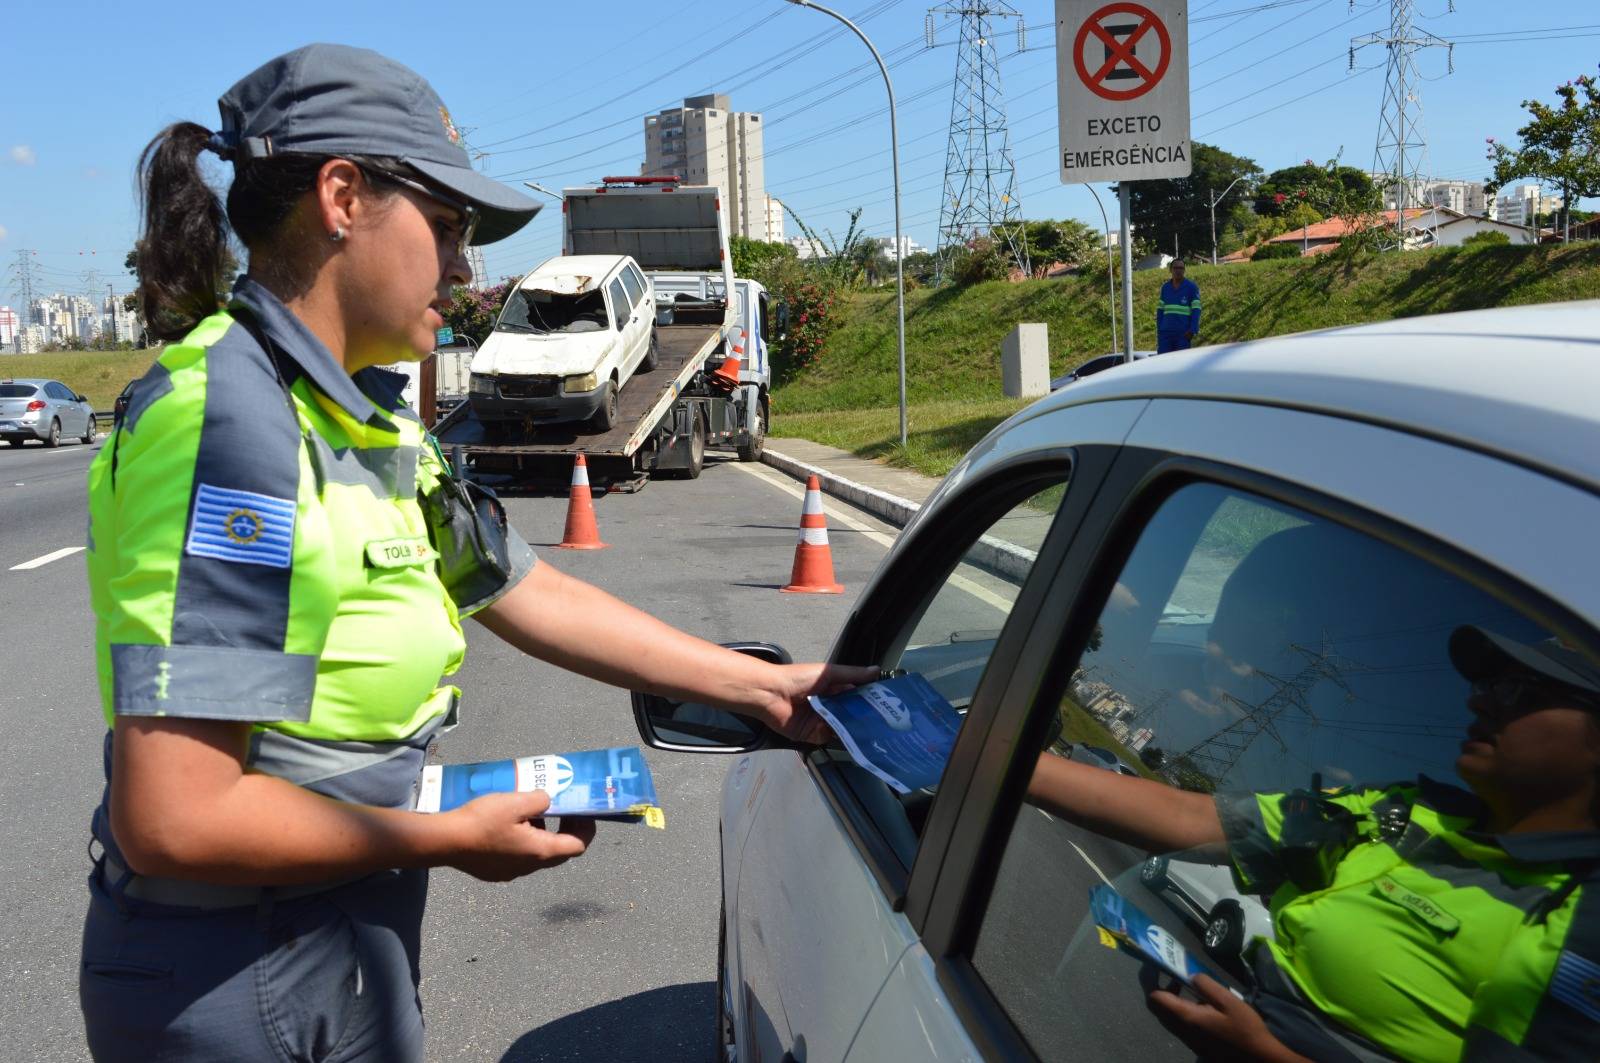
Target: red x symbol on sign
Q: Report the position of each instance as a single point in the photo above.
(1120, 42)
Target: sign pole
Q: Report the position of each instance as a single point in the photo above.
(1124, 196)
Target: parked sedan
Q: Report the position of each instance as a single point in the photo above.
(1259, 555)
(44, 410)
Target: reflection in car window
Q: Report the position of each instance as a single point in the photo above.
(1365, 801)
(950, 638)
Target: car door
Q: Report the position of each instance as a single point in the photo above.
(629, 351)
(819, 912)
(64, 407)
(1259, 604)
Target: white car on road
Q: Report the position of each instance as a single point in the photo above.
(1260, 551)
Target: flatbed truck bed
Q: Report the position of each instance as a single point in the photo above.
(617, 458)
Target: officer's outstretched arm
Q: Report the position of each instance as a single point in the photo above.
(1139, 812)
(563, 620)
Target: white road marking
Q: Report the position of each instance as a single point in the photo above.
(785, 484)
(54, 555)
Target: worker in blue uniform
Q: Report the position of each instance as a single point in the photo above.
(1177, 312)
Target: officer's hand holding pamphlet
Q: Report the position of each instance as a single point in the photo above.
(901, 729)
(599, 784)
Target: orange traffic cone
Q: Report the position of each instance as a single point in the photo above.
(726, 375)
(582, 532)
(813, 560)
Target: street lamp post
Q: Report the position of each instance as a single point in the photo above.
(1214, 203)
(899, 243)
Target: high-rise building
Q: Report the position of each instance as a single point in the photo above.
(774, 221)
(9, 323)
(1522, 205)
(705, 143)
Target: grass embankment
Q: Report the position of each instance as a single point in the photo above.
(953, 336)
(100, 375)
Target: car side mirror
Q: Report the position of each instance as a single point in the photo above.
(83, 398)
(690, 727)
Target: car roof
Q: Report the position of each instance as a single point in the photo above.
(1519, 382)
(34, 380)
(596, 266)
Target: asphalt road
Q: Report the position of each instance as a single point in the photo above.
(612, 955)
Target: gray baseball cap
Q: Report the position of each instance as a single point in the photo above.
(331, 99)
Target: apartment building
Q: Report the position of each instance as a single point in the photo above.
(706, 142)
(1523, 204)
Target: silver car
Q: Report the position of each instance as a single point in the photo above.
(1253, 560)
(45, 410)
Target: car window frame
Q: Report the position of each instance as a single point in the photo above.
(1140, 483)
(896, 594)
(621, 310)
(631, 273)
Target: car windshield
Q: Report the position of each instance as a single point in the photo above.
(540, 311)
(17, 391)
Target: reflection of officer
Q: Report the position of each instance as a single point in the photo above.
(279, 562)
(1177, 311)
(1419, 921)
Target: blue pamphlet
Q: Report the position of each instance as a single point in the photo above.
(1124, 927)
(609, 783)
(901, 729)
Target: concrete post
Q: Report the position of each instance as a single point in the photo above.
(1025, 361)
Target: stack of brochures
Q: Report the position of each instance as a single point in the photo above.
(599, 784)
(901, 729)
(1124, 927)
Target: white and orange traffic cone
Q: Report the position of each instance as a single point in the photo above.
(813, 560)
(582, 532)
(726, 375)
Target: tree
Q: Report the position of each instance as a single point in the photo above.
(753, 258)
(1560, 145)
(1181, 208)
(1068, 241)
(1487, 238)
(473, 311)
(1285, 190)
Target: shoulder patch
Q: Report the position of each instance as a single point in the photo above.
(1577, 984)
(241, 526)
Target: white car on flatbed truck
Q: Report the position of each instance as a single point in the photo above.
(569, 338)
(665, 418)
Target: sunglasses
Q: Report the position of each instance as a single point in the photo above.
(469, 213)
(1528, 692)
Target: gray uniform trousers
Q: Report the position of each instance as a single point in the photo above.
(327, 977)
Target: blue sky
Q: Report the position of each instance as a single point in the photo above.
(557, 93)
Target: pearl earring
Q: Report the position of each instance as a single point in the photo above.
(337, 235)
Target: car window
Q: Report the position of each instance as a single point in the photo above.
(635, 285)
(16, 391)
(948, 637)
(1326, 811)
(620, 305)
(56, 391)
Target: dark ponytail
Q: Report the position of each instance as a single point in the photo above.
(184, 246)
(183, 255)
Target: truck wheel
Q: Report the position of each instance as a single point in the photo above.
(652, 356)
(697, 450)
(605, 418)
(751, 451)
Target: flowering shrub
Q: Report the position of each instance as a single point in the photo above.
(472, 311)
(811, 319)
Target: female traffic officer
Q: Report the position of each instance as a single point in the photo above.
(279, 562)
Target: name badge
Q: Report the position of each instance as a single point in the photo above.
(1424, 908)
(400, 553)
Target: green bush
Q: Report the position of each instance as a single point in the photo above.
(1487, 238)
(1271, 251)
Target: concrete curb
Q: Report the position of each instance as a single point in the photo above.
(1003, 558)
(881, 504)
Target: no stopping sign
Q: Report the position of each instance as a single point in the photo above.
(1122, 51)
(1122, 72)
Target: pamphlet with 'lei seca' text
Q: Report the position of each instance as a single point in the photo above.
(599, 783)
(901, 729)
